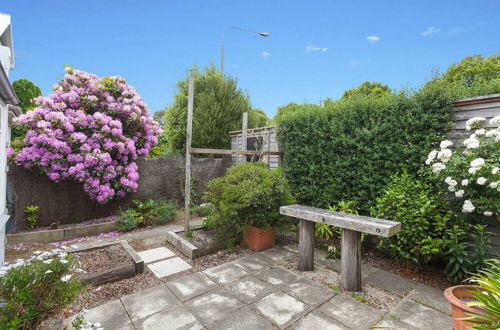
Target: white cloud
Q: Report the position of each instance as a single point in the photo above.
(312, 48)
(430, 30)
(372, 38)
(265, 55)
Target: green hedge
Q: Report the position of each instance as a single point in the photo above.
(349, 149)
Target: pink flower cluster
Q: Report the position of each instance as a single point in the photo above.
(88, 129)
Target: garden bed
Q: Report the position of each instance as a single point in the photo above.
(108, 262)
(199, 243)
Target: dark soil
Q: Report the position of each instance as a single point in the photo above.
(467, 299)
(99, 260)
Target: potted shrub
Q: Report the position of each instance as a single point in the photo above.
(246, 201)
(477, 306)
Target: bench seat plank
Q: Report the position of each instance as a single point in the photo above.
(374, 226)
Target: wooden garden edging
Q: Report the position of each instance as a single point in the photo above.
(352, 226)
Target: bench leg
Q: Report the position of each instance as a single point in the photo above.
(351, 260)
(306, 245)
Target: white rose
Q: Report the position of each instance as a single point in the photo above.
(481, 180)
(488, 213)
(438, 167)
(478, 162)
(494, 170)
(480, 132)
(493, 185)
(493, 132)
(465, 182)
(432, 155)
(452, 188)
(472, 170)
(495, 120)
(445, 144)
(474, 122)
(459, 194)
(448, 179)
(468, 207)
(445, 155)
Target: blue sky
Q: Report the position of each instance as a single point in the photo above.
(316, 49)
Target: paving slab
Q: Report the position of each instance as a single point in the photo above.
(277, 276)
(213, 306)
(390, 322)
(309, 292)
(129, 326)
(191, 286)
(420, 316)
(169, 267)
(111, 315)
(177, 317)
(244, 319)
(389, 281)
(277, 254)
(350, 312)
(281, 309)
(249, 289)
(254, 263)
(431, 297)
(317, 320)
(336, 265)
(156, 254)
(149, 301)
(225, 273)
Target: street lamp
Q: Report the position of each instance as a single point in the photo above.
(262, 34)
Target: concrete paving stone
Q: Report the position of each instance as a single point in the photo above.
(213, 306)
(177, 317)
(389, 281)
(319, 254)
(149, 301)
(249, 289)
(420, 316)
(309, 292)
(281, 309)
(111, 315)
(191, 286)
(390, 322)
(129, 326)
(292, 248)
(277, 254)
(244, 319)
(168, 267)
(317, 320)
(156, 254)
(350, 312)
(225, 273)
(254, 263)
(336, 265)
(277, 276)
(430, 296)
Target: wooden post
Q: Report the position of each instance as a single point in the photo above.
(244, 134)
(306, 245)
(351, 260)
(189, 130)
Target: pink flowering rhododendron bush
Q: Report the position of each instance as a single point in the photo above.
(88, 129)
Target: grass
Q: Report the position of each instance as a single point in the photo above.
(359, 298)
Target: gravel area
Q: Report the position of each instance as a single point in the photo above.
(101, 259)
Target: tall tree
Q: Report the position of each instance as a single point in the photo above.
(218, 108)
(26, 91)
(473, 70)
(291, 108)
(257, 118)
(371, 88)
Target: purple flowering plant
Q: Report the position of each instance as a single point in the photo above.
(89, 129)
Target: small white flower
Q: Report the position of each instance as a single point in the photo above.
(48, 261)
(493, 185)
(468, 207)
(488, 213)
(445, 144)
(445, 155)
(452, 188)
(459, 194)
(48, 272)
(478, 162)
(432, 155)
(492, 132)
(474, 122)
(438, 167)
(480, 132)
(495, 120)
(63, 261)
(481, 180)
(472, 170)
(66, 278)
(448, 179)
(494, 170)
(465, 182)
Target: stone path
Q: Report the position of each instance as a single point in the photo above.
(163, 262)
(258, 292)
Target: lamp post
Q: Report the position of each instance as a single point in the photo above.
(262, 34)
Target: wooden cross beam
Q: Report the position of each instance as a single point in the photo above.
(352, 226)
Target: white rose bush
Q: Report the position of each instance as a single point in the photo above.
(471, 171)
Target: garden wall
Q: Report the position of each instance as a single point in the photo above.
(66, 202)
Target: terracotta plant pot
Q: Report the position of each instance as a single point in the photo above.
(459, 308)
(258, 239)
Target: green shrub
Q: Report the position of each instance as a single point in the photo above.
(128, 219)
(248, 195)
(163, 213)
(146, 213)
(423, 216)
(31, 215)
(203, 210)
(348, 149)
(35, 288)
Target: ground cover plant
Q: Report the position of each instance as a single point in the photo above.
(249, 194)
(146, 213)
(89, 129)
(34, 288)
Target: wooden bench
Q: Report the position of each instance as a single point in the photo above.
(352, 226)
